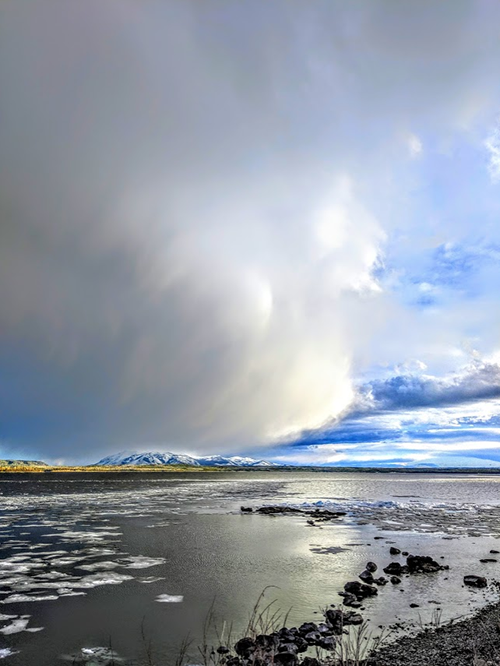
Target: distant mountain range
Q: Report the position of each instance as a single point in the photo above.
(157, 458)
(22, 463)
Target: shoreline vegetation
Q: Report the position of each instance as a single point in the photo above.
(21, 466)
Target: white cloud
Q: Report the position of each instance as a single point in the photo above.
(492, 145)
(414, 146)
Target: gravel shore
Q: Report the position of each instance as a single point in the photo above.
(474, 641)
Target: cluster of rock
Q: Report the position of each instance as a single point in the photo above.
(283, 647)
(320, 515)
(355, 592)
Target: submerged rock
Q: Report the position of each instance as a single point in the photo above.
(475, 581)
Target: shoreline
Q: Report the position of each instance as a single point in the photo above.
(289, 469)
(473, 641)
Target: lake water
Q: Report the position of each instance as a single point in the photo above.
(86, 559)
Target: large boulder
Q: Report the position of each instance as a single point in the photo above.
(422, 564)
(245, 646)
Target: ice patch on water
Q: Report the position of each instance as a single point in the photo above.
(150, 579)
(15, 627)
(7, 652)
(96, 656)
(99, 566)
(21, 598)
(6, 617)
(94, 580)
(141, 562)
(169, 598)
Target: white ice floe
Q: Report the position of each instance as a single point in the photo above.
(99, 566)
(6, 617)
(150, 579)
(21, 598)
(7, 652)
(15, 626)
(96, 656)
(94, 580)
(141, 562)
(169, 598)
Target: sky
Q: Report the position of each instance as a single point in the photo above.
(268, 228)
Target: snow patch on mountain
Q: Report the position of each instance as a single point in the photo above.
(167, 458)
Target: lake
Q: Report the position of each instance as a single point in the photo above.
(135, 561)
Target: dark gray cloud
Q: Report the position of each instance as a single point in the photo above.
(479, 382)
(190, 207)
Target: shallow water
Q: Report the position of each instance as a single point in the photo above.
(125, 560)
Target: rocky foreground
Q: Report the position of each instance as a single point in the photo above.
(471, 642)
(333, 642)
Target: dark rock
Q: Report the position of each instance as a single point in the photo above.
(246, 509)
(422, 564)
(395, 580)
(288, 647)
(378, 537)
(495, 552)
(366, 577)
(307, 627)
(245, 646)
(324, 629)
(286, 659)
(222, 649)
(394, 568)
(335, 619)
(380, 581)
(352, 618)
(414, 605)
(278, 509)
(475, 581)
(405, 553)
(313, 637)
(371, 567)
(327, 643)
(233, 661)
(310, 661)
(487, 559)
(394, 551)
(301, 644)
(271, 641)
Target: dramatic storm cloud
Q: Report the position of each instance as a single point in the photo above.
(218, 219)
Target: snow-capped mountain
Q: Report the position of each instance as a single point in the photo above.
(158, 458)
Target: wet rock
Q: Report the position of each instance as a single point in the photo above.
(495, 552)
(486, 560)
(310, 661)
(335, 619)
(352, 618)
(271, 641)
(288, 647)
(475, 581)
(371, 567)
(405, 553)
(351, 601)
(394, 551)
(307, 627)
(380, 581)
(324, 629)
(414, 605)
(245, 646)
(313, 637)
(366, 577)
(395, 580)
(301, 643)
(286, 659)
(327, 643)
(222, 649)
(278, 509)
(233, 661)
(394, 568)
(422, 564)
(360, 590)
(246, 509)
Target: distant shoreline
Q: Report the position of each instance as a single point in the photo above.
(169, 469)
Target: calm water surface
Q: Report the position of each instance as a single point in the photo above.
(86, 559)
